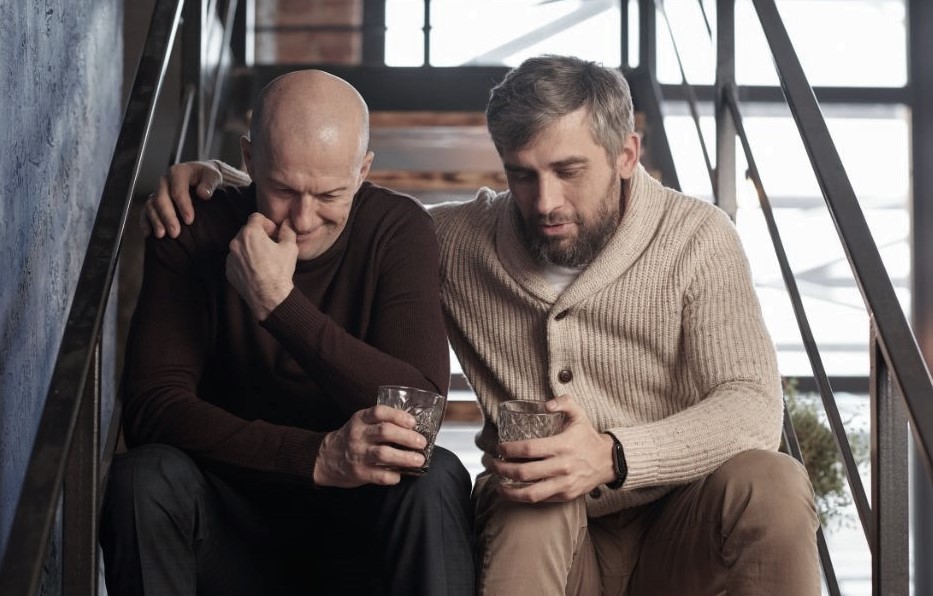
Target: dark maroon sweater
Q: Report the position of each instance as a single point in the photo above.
(255, 399)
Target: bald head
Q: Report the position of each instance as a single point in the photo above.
(311, 108)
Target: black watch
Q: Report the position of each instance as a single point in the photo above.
(618, 463)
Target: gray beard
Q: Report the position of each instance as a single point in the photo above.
(589, 243)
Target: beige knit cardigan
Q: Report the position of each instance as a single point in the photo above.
(660, 339)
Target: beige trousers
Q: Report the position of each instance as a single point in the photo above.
(748, 528)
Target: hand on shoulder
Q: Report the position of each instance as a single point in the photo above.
(171, 204)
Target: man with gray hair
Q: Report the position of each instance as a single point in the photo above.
(630, 308)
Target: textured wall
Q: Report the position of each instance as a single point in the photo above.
(60, 94)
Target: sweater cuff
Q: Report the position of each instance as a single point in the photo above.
(294, 314)
(642, 456)
(230, 176)
(298, 453)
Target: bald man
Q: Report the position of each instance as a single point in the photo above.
(258, 462)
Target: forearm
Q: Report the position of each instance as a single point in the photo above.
(736, 417)
(351, 369)
(246, 448)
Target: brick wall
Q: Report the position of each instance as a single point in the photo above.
(309, 31)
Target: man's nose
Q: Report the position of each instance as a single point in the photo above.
(304, 214)
(549, 195)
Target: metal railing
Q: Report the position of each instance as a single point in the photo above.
(67, 464)
(900, 388)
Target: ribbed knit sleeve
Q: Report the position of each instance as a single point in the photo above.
(729, 360)
(170, 340)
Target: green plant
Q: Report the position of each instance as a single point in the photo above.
(820, 454)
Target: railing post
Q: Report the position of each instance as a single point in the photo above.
(647, 35)
(374, 32)
(244, 42)
(724, 190)
(624, 58)
(890, 512)
(81, 498)
(426, 28)
(826, 562)
(920, 39)
(193, 73)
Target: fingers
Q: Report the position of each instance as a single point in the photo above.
(552, 489)
(385, 425)
(387, 455)
(161, 210)
(533, 471)
(382, 477)
(389, 433)
(160, 215)
(379, 413)
(268, 226)
(530, 448)
(207, 178)
(149, 222)
(566, 404)
(287, 232)
(179, 180)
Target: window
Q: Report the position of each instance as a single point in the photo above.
(493, 32)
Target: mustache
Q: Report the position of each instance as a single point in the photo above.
(554, 220)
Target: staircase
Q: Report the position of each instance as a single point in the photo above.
(429, 136)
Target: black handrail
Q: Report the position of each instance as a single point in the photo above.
(220, 75)
(181, 133)
(826, 562)
(691, 96)
(35, 511)
(897, 343)
(709, 30)
(859, 495)
(900, 379)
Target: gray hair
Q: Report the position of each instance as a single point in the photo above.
(545, 88)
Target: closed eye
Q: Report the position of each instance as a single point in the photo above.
(520, 175)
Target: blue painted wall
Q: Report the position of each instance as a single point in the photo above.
(61, 70)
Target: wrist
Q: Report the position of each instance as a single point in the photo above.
(229, 175)
(272, 300)
(319, 469)
(619, 465)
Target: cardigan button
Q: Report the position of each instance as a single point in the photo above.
(596, 493)
(565, 376)
(561, 315)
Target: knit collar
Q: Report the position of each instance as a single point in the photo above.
(643, 211)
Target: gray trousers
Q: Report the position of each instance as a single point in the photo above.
(170, 527)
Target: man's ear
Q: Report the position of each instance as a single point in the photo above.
(246, 149)
(629, 156)
(364, 167)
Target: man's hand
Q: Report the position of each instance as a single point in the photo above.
(159, 213)
(357, 453)
(563, 466)
(261, 263)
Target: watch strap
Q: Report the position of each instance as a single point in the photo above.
(618, 463)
